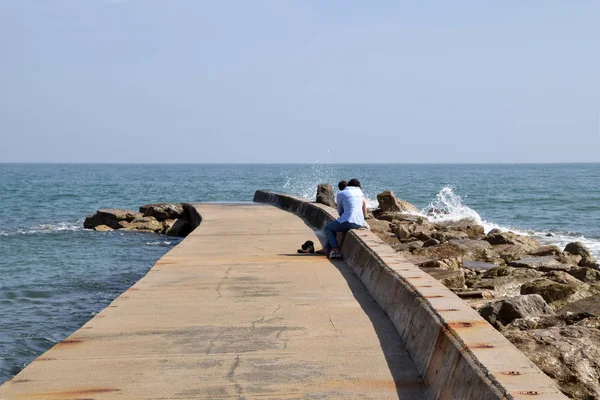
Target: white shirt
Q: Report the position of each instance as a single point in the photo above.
(349, 204)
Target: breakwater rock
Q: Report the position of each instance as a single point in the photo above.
(169, 219)
(545, 300)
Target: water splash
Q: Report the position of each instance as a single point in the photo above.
(45, 228)
(449, 206)
(303, 182)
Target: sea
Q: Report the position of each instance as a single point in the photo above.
(55, 275)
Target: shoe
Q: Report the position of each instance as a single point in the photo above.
(335, 253)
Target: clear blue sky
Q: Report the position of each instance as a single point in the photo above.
(299, 81)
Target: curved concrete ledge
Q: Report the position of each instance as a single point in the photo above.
(458, 354)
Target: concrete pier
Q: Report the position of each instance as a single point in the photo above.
(233, 312)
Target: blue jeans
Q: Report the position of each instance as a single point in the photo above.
(332, 227)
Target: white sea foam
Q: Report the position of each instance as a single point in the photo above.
(159, 243)
(449, 206)
(307, 186)
(61, 226)
(45, 228)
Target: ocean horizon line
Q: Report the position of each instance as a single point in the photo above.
(297, 163)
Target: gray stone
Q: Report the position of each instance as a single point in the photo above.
(529, 244)
(506, 281)
(325, 195)
(467, 226)
(479, 266)
(585, 274)
(109, 217)
(540, 263)
(510, 252)
(448, 264)
(379, 226)
(502, 312)
(542, 251)
(556, 294)
(389, 202)
(145, 224)
(448, 278)
(570, 355)
(578, 248)
(562, 277)
(431, 242)
(589, 305)
(179, 227)
(162, 211)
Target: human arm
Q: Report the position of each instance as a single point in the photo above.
(340, 207)
(364, 207)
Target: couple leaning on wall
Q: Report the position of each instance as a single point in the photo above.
(352, 209)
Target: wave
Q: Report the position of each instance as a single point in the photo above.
(449, 206)
(159, 243)
(307, 186)
(45, 228)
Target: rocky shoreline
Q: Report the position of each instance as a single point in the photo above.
(169, 219)
(545, 300)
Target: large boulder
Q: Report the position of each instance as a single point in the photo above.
(479, 266)
(379, 226)
(495, 238)
(109, 217)
(449, 278)
(550, 250)
(562, 277)
(556, 294)
(568, 258)
(570, 355)
(325, 195)
(145, 224)
(578, 248)
(162, 211)
(389, 202)
(590, 305)
(467, 249)
(444, 237)
(447, 264)
(510, 252)
(179, 227)
(399, 218)
(468, 226)
(546, 263)
(502, 312)
(506, 281)
(585, 274)
(444, 250)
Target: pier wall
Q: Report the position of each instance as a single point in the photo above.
(458, 354)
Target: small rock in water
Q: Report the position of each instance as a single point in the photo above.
(549, 235)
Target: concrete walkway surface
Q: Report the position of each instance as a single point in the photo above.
(232, 312)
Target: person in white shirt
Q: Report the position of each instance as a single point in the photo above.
(352, 208)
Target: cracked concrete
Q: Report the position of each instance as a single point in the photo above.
(236, 313)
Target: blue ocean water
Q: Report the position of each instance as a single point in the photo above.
(54, 275)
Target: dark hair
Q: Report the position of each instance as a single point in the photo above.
(354, 182)
(342, 185)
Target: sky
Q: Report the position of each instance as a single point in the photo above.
(284, 81)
